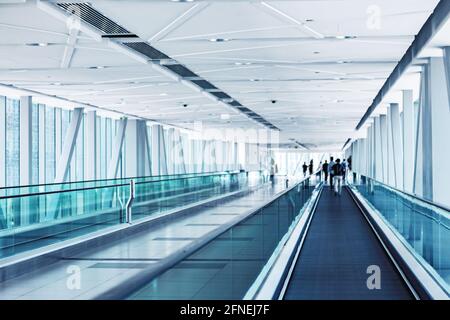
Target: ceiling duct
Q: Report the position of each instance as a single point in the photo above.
(161, 61)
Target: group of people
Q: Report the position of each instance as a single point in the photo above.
(309, 167)
(334, 171)
(337, 171)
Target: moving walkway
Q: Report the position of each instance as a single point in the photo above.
(329, 247)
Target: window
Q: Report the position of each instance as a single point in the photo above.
(80, 153)
(35, 144)
(12, 142)
(50, 142)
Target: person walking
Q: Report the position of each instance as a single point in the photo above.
(330, 170)
(311, 167)
(319, 172)
(305, 168)
(325, 171)
(273, 171)
(344, 167)
(338, 173)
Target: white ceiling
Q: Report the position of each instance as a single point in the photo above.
(291, 52)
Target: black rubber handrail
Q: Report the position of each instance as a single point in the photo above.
(111, 179)
(439, 205)
(109, 186)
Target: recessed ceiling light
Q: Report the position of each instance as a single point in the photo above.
(37, 44)
(97, 67)
(224, 116)
(316, 52)
(253, 80)
(309, 20)
(219, 40)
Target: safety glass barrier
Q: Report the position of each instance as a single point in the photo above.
(422, 227)
(39, 219)
(226, 267)
(50, 187)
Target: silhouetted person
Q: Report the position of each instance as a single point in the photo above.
(330, 170)
(311, 169)
(305, 168)
(273, 171)
(338, 173)
(344, 167)
(325, 170)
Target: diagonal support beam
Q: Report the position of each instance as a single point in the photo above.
(117, 149)
(277, 13)
(179, 21)
(69, 146)
(69, 50)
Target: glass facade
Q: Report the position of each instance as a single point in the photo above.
(49, 128)
(12, 142)
(50, 143)
(35, 144)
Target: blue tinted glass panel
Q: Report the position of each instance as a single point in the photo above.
(35, 144)
(12, 142)
(50, 160)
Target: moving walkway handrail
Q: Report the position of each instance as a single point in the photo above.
(110, 186)
(128, 286)
(198, 174)
(413, 195)
(428, 284)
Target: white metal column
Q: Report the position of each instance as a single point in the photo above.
(25, 140)
(70, 140)
(418, 137)
(159, 163)
(170, 148)
(447, 69)
(378, 150)
(440, 121)
(42, 144)
(390, 152)
(408, 140)
(58, 135)
(384, 147)
(2, 141)
(397, 148)
(90, 171)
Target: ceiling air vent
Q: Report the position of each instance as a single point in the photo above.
(94, 18)
(206, 85)
(182, 71)
(147, 50)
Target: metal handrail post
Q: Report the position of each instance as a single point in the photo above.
(130, 202)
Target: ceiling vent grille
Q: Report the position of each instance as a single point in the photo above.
(94, 18)
(111, 29)
(147, 50)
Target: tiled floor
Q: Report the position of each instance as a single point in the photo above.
(104, 267)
